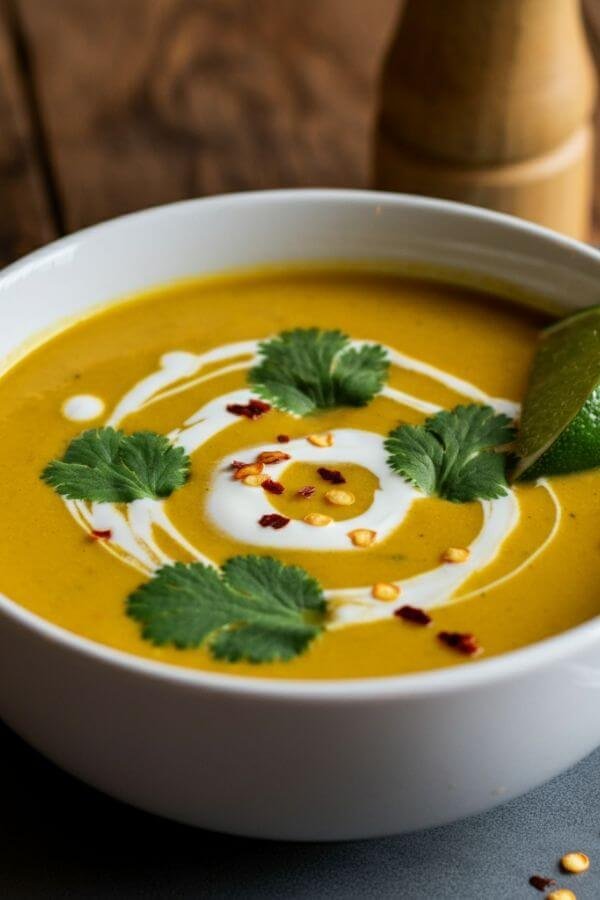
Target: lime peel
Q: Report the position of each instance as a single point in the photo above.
(560, 424)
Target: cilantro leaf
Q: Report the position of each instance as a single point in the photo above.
(452, 454)
(256, 609)
(304, 370)
(109, 466)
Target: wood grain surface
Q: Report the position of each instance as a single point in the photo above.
(108, 106)
(25, 216)
(146, 101)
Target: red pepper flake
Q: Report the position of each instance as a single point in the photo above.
(273, 520)
(306, 491)
(283, 438)
(273, 487)
(254, 409)
(540, 882)
(101, 534)
(413, 614)
(331, 475)
(464, 643)
(238, 464)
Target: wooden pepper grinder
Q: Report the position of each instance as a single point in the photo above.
(490, 102)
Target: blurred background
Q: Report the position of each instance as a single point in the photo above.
(108, 106)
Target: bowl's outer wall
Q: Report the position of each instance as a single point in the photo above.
(291, 768)
(297, 766)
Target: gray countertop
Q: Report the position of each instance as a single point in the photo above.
(60, 839)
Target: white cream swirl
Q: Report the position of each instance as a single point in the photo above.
(133, 529)
(82, 407)
(391, 501)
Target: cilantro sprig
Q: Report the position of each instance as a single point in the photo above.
(108, 466)
(453, 454)
(255, 609)
(306, 370)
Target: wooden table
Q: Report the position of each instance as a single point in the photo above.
(107, 106)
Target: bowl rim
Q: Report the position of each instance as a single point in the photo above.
(445, 680)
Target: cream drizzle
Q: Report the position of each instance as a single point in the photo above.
(437, 586)
(133, 527)
(391, 500)
(82, 408)
(459, 385)
(542, 482)
(174, 367)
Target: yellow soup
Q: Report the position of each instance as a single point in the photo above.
(172, 361)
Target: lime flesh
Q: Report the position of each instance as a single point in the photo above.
(560, 422)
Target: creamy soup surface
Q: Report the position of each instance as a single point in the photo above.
(172, 360)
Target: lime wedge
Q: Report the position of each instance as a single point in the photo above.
(560, 422)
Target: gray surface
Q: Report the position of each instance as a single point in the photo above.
(60, 839)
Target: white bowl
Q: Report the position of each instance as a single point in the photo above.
(288, 759)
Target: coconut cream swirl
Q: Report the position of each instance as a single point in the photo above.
(133, 527)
